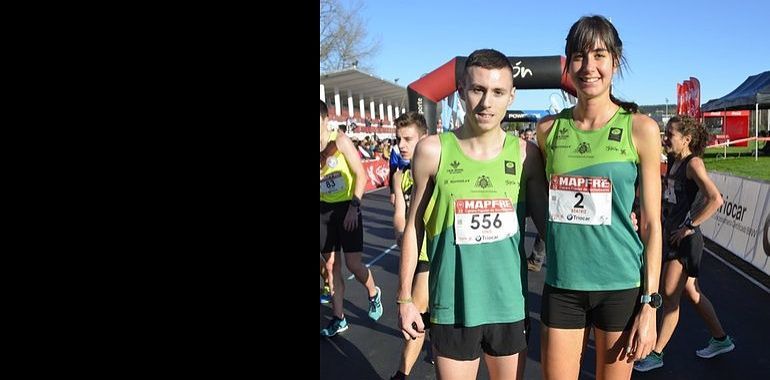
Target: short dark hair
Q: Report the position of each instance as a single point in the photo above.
(324, 109)
(487, 59)
(412, 117)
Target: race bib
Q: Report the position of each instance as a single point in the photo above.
(669, 195)
(580, 200)
(479, 221)
(332, 183)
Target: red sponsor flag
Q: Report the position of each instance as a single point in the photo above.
(679, 98)
(695, 97)
(685, 97)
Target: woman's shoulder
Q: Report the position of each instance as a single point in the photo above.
(545, 124)
(644, 124)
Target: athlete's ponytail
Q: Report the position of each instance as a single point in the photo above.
(628, 106)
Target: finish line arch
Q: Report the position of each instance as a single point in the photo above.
(529, 73)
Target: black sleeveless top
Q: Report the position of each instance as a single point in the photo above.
(680, 193)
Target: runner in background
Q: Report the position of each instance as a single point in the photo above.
(342, 184)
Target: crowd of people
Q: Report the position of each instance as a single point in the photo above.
(461, 199)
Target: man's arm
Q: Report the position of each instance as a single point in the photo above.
(424, 168)
(537, 186)
(345, 145)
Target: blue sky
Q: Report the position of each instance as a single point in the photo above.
(665, 42)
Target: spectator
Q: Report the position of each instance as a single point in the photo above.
(765, 150)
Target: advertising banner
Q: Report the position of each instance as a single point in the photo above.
(376, 173)
(740, 225)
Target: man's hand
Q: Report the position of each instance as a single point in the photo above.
(399, 238)
(351, 218)
(410, 321)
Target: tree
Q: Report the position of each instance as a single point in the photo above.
(343, 37)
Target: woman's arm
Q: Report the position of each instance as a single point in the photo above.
(646, 139)
(696, 171)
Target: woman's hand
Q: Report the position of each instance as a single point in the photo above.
(678, 235)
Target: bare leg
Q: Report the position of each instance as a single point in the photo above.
(326, 275)
(360, 271)
(334, 268)
(560, 352)
(611, 362)
(704, 307)
(450, 369)
(412, 347)
(674, 280)
(506, 367)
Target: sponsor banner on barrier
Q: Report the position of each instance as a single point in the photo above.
(741, 224)
(376, 173)
(763, 241)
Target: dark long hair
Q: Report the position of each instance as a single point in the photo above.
(581, 38)
(689, 126)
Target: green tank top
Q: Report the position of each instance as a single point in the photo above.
(336, 178)
(477, 262)
(591, 243)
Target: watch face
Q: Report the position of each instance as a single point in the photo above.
(656, 300)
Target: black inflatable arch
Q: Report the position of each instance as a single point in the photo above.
(529, 73)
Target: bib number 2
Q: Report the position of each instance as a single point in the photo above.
(580, 200)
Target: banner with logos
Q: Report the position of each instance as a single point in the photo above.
(695, 98)
(688, 97)
(741, 224)
(377, 173)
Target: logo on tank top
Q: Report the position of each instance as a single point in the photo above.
(583, 148)
(615, 134)
(563, 132)
(455, 168)
(510, 167)
(331, 162)
(483, 182)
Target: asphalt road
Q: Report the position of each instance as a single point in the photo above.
(371, 350)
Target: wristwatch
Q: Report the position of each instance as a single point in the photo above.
(654, 300)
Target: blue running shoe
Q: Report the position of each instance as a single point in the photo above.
(652, 361)
(335, 327)
(375, 305)
(716, 347)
